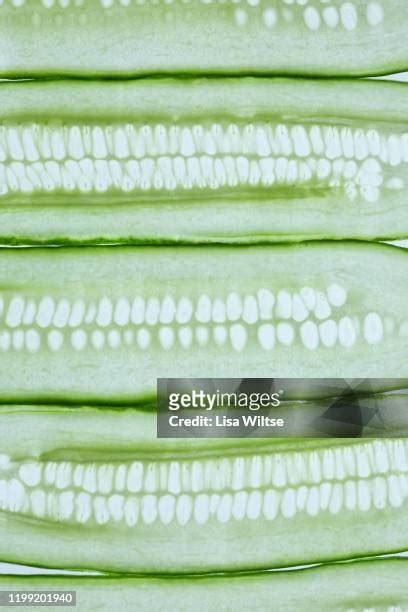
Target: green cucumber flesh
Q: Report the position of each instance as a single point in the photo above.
(88, 488)
(378, 585)
(111, 38)
(166, 160)
(100, 324)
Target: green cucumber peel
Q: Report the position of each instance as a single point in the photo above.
(40, 38)
(188, 161)
(136, 427)
(357, 586)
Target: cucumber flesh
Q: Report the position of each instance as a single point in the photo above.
(116, 499)
(43, 38)
(166, 160)
(359, 586)
(101, 324)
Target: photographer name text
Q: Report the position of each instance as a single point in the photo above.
(243, 420)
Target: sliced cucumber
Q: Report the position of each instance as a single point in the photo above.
(110, 38)
(91, 488)
(364, 585)
(165, 160)
(101, 324)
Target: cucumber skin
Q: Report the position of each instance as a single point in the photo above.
(104, 430)
(174, 97)
(378, 584)
(179, 223)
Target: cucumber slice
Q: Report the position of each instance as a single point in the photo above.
(92, 488)
(364, 585)
(110, 38)
(165, 160)
(101, 324)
